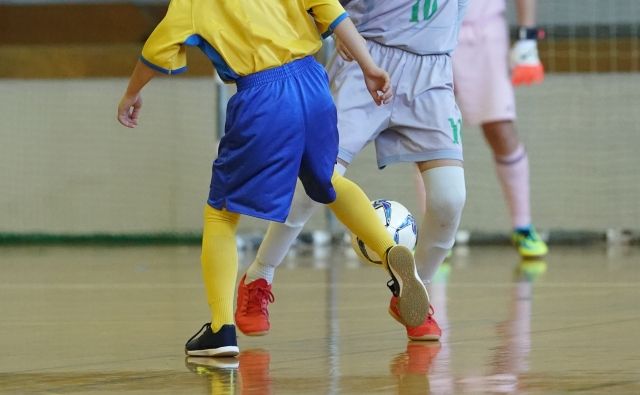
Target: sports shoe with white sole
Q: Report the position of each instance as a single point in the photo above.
(413, 300)
(207, 343)
(429, 330)
(529, 243)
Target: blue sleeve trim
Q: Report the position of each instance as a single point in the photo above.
(334, 24)
(162, 69)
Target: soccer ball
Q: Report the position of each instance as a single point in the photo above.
(399, 223)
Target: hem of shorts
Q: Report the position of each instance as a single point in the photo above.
(439, 155)
(244, 210)
(345, 155)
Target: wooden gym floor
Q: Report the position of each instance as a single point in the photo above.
(113, 320)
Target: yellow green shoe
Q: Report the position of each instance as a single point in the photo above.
(529, 243)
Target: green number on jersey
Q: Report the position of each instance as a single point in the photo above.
(430, 8)
(456, 128)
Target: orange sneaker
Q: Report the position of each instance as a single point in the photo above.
(252, 309)
(428, 330)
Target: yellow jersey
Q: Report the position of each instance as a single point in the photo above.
(240, 37)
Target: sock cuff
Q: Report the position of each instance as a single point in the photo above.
(516, 156)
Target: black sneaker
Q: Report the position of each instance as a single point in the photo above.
(206, 343)
(413, 300)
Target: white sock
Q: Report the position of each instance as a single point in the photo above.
(281, 236)
(446, 194)
(259, 270)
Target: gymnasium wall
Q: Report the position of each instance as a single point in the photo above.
(68, 167)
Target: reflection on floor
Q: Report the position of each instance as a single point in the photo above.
(114, 320)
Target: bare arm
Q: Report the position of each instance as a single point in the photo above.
(131, 102)
(377, 80)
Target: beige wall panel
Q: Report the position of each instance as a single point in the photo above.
(67, 167)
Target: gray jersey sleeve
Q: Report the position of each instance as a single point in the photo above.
(420, 26)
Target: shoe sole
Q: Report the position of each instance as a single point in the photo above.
(413, 301)
(226, 351)
(528, 255)
(250, 333)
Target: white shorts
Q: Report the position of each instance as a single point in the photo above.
(481, 72)
(422, 122)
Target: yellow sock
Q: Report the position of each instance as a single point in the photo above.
(353, 208)
(219, 263)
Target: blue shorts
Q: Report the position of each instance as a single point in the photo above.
(281, 125)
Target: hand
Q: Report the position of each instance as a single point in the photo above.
(342, 49)
(378, 84)
(526, 68)
(129, 110)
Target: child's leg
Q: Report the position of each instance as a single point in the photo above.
(512, 167)
(254, 289)
(219, 263)
(353, 208)
(280, 236)
(443, 197)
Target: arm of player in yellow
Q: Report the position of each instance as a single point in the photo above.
(377, 80)
(131, 102)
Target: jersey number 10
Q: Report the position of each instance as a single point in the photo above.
(430, 8)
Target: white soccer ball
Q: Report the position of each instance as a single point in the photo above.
(399, 223)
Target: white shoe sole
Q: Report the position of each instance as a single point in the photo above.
(413, 300)
(227, 351)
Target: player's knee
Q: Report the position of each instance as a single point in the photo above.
(447, 204)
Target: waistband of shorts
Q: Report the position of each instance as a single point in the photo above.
(275, 74)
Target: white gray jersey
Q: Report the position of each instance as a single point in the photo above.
(423, 27)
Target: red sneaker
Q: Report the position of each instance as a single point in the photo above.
(252, 311)
(428, 330)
